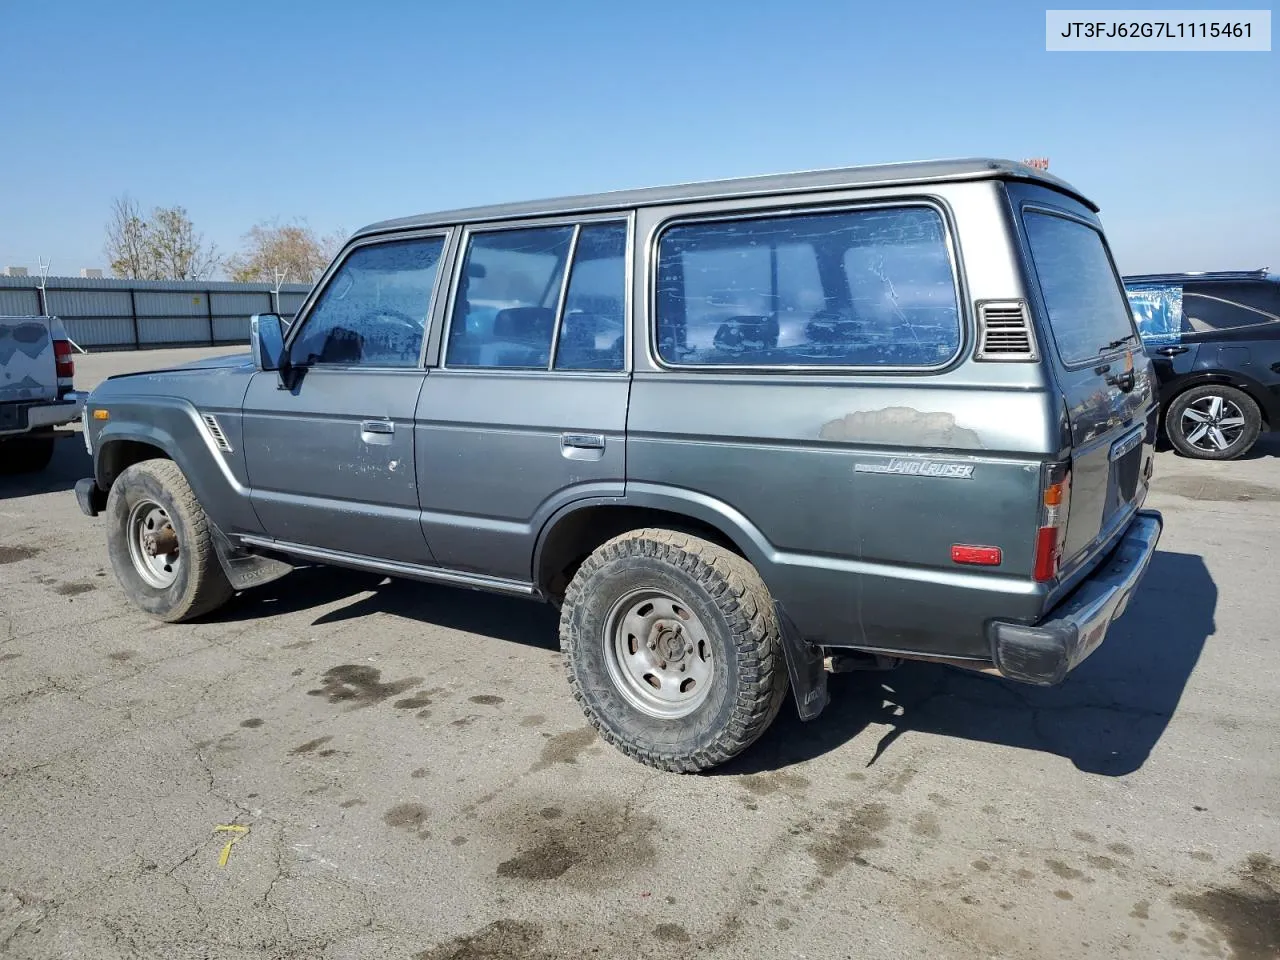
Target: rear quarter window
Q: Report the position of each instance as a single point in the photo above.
(1088, 312)
(865, 288)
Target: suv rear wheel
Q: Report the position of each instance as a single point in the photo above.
(1213, 422)
(160, 544)
(673, 648)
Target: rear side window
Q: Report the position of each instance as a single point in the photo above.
(592, 329)
(1088, 312)
(1228, 306)
(871, 287)
(504, 313)
(514, 304)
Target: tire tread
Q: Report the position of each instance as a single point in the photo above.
(211, 588)
(748, 609)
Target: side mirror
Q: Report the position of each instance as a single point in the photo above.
(266, 340)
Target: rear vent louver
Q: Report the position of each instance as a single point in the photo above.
(215, 431)
(1005, 332)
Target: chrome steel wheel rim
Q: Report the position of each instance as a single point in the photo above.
(658, 654)
(148, 525)
(1212, 423)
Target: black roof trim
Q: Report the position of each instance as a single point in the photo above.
(880, 175)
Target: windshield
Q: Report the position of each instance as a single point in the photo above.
(1088, 312)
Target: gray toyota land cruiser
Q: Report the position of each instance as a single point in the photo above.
(742, 433)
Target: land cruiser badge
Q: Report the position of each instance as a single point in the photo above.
(918, 468)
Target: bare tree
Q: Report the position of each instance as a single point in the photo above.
(292, 248)
(164, 246)
(176, 250)
(126, 248)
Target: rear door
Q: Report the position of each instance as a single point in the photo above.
(1157, 310)
(1099, 364)
(528, 408)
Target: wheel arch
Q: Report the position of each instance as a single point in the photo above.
(118, 453)
(169, 429)
(1224, 378)
(576, 529)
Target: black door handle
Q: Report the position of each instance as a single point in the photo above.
(1171, 351)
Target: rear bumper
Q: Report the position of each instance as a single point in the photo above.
(53, 414)
(1043, 654)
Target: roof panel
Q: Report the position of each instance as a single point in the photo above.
(880, 175)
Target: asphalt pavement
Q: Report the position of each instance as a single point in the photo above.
(411, 779)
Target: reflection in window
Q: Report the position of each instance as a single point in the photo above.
(856, 288)
(505, 308)
(374, 308)
(591, 332)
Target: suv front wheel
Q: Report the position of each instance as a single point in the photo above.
(161, 545)
(673, 649)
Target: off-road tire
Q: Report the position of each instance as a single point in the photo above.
(25, 455)
(201, 586)
(733, 605)
(1173, 422)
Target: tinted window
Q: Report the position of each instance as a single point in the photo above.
(591, 332)
(857, 288)
(374, 308)
(1224, 306)
(505, 309)
(1087, 310)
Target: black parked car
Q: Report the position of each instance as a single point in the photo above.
(1214, 341)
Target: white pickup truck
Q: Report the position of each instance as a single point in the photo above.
(36, 391)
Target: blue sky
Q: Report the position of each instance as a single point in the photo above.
(345, 113)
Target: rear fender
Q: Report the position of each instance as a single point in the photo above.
(1259, 394)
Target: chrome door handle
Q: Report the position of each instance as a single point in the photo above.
(1171, 351)
(582, 441)
(377, 432)
(582, 446)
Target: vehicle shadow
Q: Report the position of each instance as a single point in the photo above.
(1268, 445)
(1105, 718)
(489, 615)
(70, 462)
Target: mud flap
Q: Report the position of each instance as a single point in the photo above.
(804, 668)
(243, 569)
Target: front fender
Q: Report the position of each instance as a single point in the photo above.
(175, 427)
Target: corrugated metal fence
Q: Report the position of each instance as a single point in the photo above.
(134, 314)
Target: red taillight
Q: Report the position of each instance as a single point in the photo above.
(63, 359)
(978, 556)
(1055, 501)
(1047, 553)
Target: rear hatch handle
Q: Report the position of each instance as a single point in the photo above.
(1124, 381)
